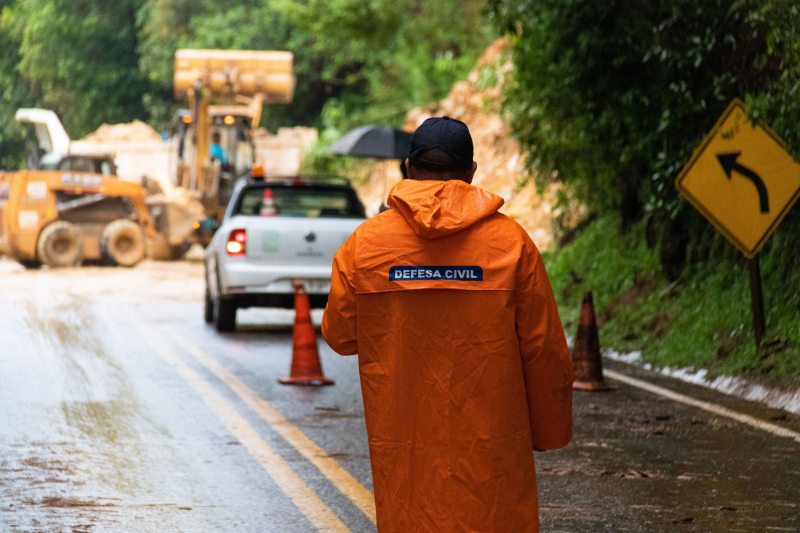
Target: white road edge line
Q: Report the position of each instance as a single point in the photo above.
(306, 500)
(706, 406)
(330, 468)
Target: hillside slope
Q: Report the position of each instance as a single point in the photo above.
(500, 161)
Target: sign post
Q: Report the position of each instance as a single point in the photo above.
(744, 182)
(757, 300)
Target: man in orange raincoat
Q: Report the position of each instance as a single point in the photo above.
(464, 367)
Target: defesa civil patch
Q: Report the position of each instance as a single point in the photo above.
(447, 273)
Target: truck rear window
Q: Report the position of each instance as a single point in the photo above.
(302, 201)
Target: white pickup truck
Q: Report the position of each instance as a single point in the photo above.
(274, 232)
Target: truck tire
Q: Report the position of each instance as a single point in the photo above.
(60, 245)
(208, 311)
(224, 314)
(123, 243)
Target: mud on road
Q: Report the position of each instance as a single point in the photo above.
(114, 416)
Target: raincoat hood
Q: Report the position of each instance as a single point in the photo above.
(434, 209)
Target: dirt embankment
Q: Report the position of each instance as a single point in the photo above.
(133, 131)
(476, 102)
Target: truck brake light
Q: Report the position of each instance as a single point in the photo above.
(237, 242)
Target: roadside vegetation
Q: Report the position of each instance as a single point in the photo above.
(610, 99)
(702, 319)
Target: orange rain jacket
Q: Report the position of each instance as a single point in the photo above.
(464, 366)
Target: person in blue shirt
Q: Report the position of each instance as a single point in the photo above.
(216, 151)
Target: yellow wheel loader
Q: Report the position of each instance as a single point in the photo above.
(175, 225)
(61, 218)
(216, 145)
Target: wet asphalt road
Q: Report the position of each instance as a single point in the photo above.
(120, 410)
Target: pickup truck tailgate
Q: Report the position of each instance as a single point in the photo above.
(302, 242)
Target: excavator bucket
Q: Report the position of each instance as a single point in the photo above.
(231, 73)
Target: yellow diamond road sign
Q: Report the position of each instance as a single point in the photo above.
(741, 179)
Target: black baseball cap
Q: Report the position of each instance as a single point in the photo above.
(450, 136)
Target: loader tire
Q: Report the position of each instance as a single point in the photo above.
(123, 243)
(60, 245)
(30, 264)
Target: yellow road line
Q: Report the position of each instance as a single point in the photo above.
(329, 467)
(706, 406)
(319, 514)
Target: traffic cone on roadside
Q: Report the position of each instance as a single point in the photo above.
(306, 368)
(586, 352)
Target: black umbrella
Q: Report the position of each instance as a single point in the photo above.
(376, 142)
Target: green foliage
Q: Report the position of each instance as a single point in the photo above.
(612, 97)
(162, 24)
(602, 261)
(83, 55)
(702, 320)
(14, 93)
(778, 104)
(320, 161)
(93, 62)
(383, 57)
(167, 25)
(375, 59)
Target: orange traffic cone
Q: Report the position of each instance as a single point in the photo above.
(306, 368)
(586, 353)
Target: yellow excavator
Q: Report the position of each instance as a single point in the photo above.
(216, 141)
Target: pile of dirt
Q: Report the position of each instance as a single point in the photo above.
(134, 131)
(501, 168)
(188, 200)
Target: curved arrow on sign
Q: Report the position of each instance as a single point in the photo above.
(729, 164)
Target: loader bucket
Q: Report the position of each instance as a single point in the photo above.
(231, 73)
(177, 217)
